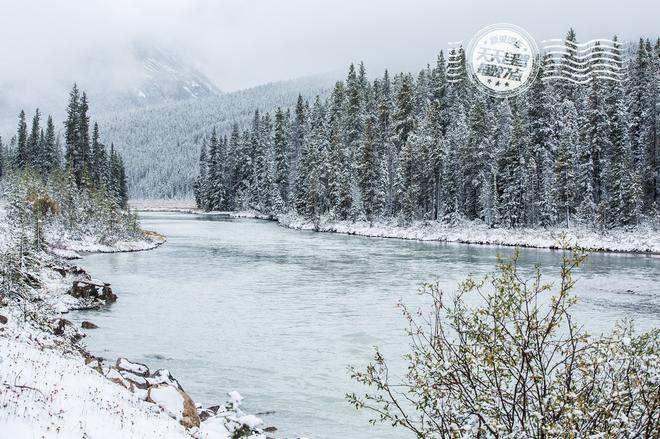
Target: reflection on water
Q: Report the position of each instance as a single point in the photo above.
(279, 314)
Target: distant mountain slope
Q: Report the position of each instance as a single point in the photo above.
(115, 79)
(160, 144)
(160, 78)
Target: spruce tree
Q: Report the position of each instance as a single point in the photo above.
(201, 182)
(34, 156)
(281, 145)
(566, 167)
(22, 155)
(369, 171)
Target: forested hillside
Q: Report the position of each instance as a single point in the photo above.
(422, 147)
(160, 144)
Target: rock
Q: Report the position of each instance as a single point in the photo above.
(205, 414)
(137, 380)
(163, 376)
(107, 294)
(214, 409)
(270, 429)
(176, 403)
(60, 325)
(83, 289)
(88, 325)
(135, 368)
(3, 320)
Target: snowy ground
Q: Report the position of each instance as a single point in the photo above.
(69, 248)
(641, 239)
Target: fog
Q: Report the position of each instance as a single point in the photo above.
(240, 43)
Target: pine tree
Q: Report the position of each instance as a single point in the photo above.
(565, 185)
(99, 159)
(22, 156)
(512, 179)
(369, 171)
(472, 157)
(33, 142)
(619, 174)
(201, 182)
(50, 150)
(457, 137)
(298, 133)
(281, 145)
(82, 168)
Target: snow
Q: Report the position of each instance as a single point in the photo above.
(135, 368)
(50, 393)
(169, 399)
(644, 239)
(91, 244)
(251, 421)
(235, 397)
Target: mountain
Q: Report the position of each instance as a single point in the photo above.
(139, 76)
(160, 144)
(161, 78)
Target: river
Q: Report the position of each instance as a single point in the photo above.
(279, 314)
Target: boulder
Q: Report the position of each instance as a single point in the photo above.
(60, 324)
(3, 320)
(83, 289)
(163, 376)
(176, 403)
(129, 366)
(88, 325)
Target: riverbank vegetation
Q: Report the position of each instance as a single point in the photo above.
(58, 194)
(430, 147)
(516, 365)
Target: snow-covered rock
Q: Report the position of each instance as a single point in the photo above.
(176, 403)
(135, 368)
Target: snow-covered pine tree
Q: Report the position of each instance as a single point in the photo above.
(299, 129)
(542, 146)
(281, 145)
(22, 154)
(566, 166)
(512, 177)
(33, 142)
(51, 154)
(457, 137)
(201, 181)
(215, 176)
(472, 156)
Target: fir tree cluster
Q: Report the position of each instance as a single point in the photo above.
(430, 148)
(85, 157)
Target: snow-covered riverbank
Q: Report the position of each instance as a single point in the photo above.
(51, 387)
(70, 249)
(641, 239)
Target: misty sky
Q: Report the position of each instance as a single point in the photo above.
(241, 43)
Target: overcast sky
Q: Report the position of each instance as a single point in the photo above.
(241, 43)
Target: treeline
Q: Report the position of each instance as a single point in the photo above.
(84, 157)
(426, 147)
